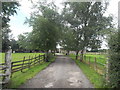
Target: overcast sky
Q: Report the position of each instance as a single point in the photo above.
(17, 21)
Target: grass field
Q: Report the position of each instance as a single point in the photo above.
(95, 78)
(20, 56)
(99, 65)
(100, 59)
(19, 78)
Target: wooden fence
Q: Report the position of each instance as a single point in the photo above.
(20, 65)
(96, 65)
(26, 63)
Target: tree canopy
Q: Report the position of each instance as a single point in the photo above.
(80, 25)
(87, 21)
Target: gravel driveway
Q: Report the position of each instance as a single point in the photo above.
(63, 73)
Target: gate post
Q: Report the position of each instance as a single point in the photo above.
(8, 65)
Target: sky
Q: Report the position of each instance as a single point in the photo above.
(17, 21)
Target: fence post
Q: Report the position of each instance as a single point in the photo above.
(89, 60)
(106, 70)
(34, 59)
(84, 58)
(44, 59)
(22, 64)
(39, 58)
(8, 58)
(95, 64)
(29, 62)
(11, 69)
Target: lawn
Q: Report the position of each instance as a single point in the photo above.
(95, 78)
(20, 56)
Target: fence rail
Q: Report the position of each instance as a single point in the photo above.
(95, 64)
(21, 65)
(26, 63)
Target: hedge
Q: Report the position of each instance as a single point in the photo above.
(114, 61)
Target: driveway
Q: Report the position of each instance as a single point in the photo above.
(63, 73)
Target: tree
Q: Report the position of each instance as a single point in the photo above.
(67, 40)
(14, 45)
(8, 9)
(45, 34)
(87, 21)
(24, 41)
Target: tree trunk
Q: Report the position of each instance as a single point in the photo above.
(7, 71)
(51, 51)
(54, 52)
(81, 56)
(68, 52)
(77, 54)
(47, 57)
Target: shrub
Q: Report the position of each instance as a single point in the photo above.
(48, 56)
(114, 61)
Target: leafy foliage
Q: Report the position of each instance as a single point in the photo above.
(8, 9)
(5, 38)
(87, 21)
(68, 39)
(24, 41)
(45, 34)
(14, 45)
(46, 28)
(114, 61)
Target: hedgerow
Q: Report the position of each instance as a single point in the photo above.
(114, 61)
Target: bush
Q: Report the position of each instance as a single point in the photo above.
(114, 61)
(49, 56)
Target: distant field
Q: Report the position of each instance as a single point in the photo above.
(20, 56)
(100, 59)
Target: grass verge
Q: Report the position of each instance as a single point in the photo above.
(19, 78)
(95, 78)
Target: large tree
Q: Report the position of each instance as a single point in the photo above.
(87, 21)
(45, 34)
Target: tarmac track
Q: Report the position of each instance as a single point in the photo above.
(63, 73)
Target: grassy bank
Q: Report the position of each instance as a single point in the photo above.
(95, 78)
(19, 78)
